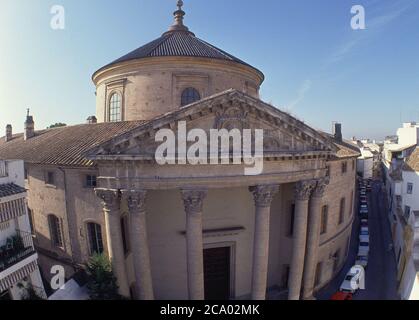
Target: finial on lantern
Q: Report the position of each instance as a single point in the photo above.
(178, 24)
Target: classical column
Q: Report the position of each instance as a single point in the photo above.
(313, 238)
(193, 201)
(263, 196)
(302, 194)
(111, 209)
(139, 243)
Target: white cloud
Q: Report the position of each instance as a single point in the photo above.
(304, 88)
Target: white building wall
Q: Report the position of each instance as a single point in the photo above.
(408, 135)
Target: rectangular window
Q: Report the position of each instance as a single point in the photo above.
(344, 167)
(351, 209)
(406, 212)
(56, 232)
(95, 238)
(26, 174)
(342, 210)
(50, 178)
(353, 165)
(325, 213)
(124, 231)
(292, 218)
(91, 181)
(328, 171)
(410, 188)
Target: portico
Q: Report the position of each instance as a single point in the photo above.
(194, 200)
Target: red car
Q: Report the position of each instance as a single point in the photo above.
(341, 296)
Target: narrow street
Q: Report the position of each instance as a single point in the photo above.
(381, 273)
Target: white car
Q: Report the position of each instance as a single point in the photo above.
(365, 229)
(353, 279)
(363, 249)
(364, 238)
(362, 261)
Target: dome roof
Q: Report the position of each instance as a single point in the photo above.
(178, 42)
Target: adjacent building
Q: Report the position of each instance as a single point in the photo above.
(19, 273)
(189, 231)
(401, 171)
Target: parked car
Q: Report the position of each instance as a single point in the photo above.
(364, 238)
(363, 249)
(364, 232)
(352, 280)
(362, 261)
(365, 229)
(341, 296)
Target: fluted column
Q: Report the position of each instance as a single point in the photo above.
(139, 243)
(313, 238)
(193, 202)
(263, 196)
(302, 194)
(111, 208)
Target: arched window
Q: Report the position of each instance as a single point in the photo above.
(94, 231)
(115, 108)
(190, 95)
(56, 231)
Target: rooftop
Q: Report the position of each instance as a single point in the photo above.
(10, 189)
(412, 162)
(63, 146)
(178, 42)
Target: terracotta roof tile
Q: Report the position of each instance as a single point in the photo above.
(63, 146)
(177, 44)
(412, 162)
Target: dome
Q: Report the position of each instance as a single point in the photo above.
(178, 42)
(174, 70)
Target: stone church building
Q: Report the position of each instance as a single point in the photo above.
(188, 231)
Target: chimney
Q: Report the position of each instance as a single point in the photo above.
(91, 120)
(337, 131)
(9, 133)
(29, 127)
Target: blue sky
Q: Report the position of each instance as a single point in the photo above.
(316, 66)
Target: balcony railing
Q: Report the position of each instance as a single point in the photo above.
(15, 249)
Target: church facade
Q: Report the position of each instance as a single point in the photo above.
(184, 231)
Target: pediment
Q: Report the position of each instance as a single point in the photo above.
(283, 134)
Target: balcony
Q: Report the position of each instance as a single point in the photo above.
(15, 249)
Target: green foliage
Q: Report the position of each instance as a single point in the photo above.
(102, 283)
(57, 125)
(30, 294)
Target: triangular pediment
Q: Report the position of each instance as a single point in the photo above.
(283, 133)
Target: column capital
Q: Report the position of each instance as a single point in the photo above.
(303, 189)
(109, 197)
(136, 200)
(193, 200)
(321, 185)
(264, 194)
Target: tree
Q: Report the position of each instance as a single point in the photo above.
(57, 125)
(102, 282)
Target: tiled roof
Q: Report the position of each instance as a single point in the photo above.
(346, 149)
(412, 162)
(175, 44)
(63, 146)
(10, 189)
